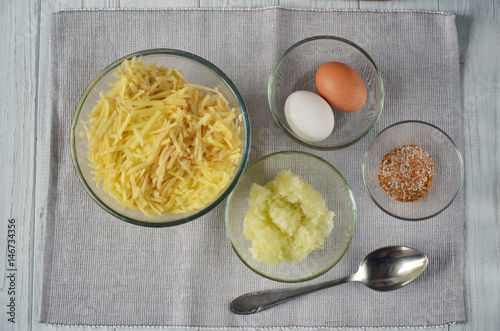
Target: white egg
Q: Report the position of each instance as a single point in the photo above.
(309, 116)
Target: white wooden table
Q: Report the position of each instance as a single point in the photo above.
(24, 143)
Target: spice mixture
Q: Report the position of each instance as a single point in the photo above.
(406, 173)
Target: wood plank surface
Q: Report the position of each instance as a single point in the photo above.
(17, 149)
(478, 27)
(25, 142)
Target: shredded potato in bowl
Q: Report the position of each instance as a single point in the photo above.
(159, 144)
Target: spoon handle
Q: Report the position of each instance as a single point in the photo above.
(258, 301)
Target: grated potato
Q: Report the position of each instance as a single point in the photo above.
(159, 144)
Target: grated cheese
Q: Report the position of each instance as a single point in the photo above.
(159, 144)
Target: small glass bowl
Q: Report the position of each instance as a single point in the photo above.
(327, 181)
(448, 169)
(296, 70)
(196, 70)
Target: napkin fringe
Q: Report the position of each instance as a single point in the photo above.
(94, 326)
(416, 11)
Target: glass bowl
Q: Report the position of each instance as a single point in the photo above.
(295, 71)
(196, 70)
(448, 169)
(327, 181)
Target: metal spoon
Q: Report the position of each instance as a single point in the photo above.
(384, 269)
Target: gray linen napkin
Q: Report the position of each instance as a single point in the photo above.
(99, 270)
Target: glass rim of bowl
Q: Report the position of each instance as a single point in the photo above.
(169, 52)
(273, 75)
(455, 148)
(351, 234)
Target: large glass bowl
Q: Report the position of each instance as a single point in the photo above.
(448, 169)
(196, 70)
(295, 71)
(327, 181)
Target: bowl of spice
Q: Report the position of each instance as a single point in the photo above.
(413, 170)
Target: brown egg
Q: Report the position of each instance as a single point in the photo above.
(341, 86)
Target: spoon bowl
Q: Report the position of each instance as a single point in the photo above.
(385, 269)
(390, 268)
